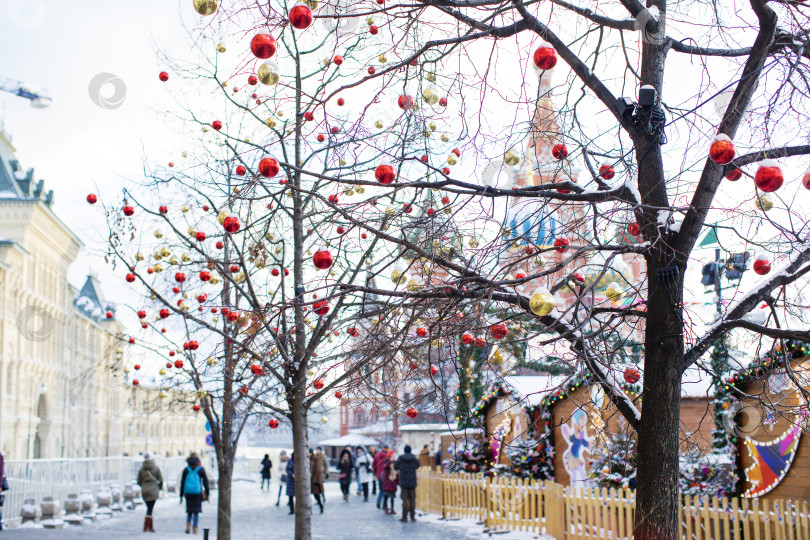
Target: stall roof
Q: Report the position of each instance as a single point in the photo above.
(352, 439)
(441, 426)
(533, 388)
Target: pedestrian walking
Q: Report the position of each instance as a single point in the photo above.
(194, 487)
(390, 480)
(345, 466)
(151, 481)
(377, 466)
(267, 467)
(362, 465)
(372, 452)
(282, 473)
(291, 482)
(3, 487)
(407, 464)
(316, 478)
(324, 462)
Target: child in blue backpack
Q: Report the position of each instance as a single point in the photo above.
(194, 486)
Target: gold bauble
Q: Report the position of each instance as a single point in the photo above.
(214, 280)
(158, 234)
(473, 243)
(174, 261)
(431, 77)
(432, 126)
(312, 4)
(370, 21)
(426, 133)
(614, 291)
(221, 48)
(162, 371)
(511, 158)
(378, 124)
(382, 59)
(184, 305)
(342, 162)
(164, 252)
(764, 202)
(221, 216)
(280, 114)
(268, 73)
(398, 277)
(270, 236)
(206, 7)
(211, 362)
(157, 268)
(413, 286)
(430, 97)
(260, 263)
(445, 138)
(185, 209)
(451, 159)
(270, 123)
(138, 257)
(541, 303)
(360, 189)
(192, 231)
(389, 211)
(185, 257)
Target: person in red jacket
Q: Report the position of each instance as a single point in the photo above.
(390, 480)
(377, 465)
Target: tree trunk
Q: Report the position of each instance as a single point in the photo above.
(224, 483)
(657, 498)
(303, 504)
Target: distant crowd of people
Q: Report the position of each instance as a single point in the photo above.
(381, 474)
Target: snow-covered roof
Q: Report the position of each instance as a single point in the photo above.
(350, 440)
(378, 428)
(531, 389)
(696, 384)
(442, 426)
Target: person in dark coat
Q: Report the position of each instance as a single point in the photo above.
(194, 486)
(390, 481)
(3, 485)
(267, 467)
(151, 481)
(316, 478)
(344, 467)
(407, 464)
(291, 483)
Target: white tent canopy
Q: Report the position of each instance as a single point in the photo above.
(352, 439)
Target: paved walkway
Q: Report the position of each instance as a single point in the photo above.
(255, 515)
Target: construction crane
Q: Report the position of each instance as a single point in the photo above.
(39, 97)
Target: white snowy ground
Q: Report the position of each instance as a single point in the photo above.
(255, 516)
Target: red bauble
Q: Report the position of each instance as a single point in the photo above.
(135, 382)
(109, 315)
(769, 176)
(337, 59)
(179, 277)
(606, 171)
(163, 76)
(202, 297)
(253, 80)
(263, 46)
(321, 137)
(163, 210)
(137, 367)
(130, 278)
(446, 170)
(164, 313)
(385, 174)
(241, 170)
(559, 151)
(734, 175)
(632, 375)
(244, 390)
(273, 423)
(231, 224)
(405, 102)
(498, 331)
(318, 384)
(722, 150)
(411, 412)
(220, 244)
(371, 70)
(128, 210)
(560, 244)
(480, 342)
(256, 369)
(373, 30)
(634, 229)
(443, 102)
(341, 102)
(268, 167)
(216, 124)
(806, 179)
(275, 272)
(545, 57)
(338, 394)
(322, 259)
(141, 314)
(321, 308)
(200, 236)
(300, 16)
(92, 199)
(434, 370)
(205, 275)
(352, 331)
(195, 408)
(762, 265)
(421, 332)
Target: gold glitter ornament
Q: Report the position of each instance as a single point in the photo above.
(221, 48)
(541, 303)
(378, 124)
(268, 73)
(511, 158)
(430, 97)
(445, 138)
(451, 159)
(270, 123)
(206, 7)
(764, 202)
(382, 59)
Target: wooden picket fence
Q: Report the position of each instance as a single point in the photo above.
(511, 504)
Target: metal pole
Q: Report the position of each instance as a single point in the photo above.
(717, 288)
(205, 534)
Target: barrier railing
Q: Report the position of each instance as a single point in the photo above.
(513, 504)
